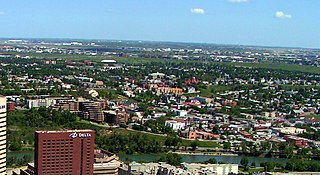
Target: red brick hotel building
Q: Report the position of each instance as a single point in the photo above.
(69, 152)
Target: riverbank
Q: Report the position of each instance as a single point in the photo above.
(200, 157)
(206, 153)
(189, 157)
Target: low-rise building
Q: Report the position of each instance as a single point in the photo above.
(115, 117)
(216, 169)
(92, 111)
(185, 169)
(297, 141)
(289, 130)
(176, 124)
(198, 135)
(36, 103)
(105, 163)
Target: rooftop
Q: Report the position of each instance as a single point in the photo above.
(64, 131)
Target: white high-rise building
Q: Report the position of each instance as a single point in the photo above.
(3, 133)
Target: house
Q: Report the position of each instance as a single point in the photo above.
(262, 125)
(93, 93)
(158, 114)
(176, 124)
(181, 113)
(297, 141)
(204, 100)
(195, 134)
(99, 83)
(233, 129)
(288, 131)
(245, 134)
(298, 113)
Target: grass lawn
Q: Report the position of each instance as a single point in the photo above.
(105, 92)
(125, 131)
(208, 144)
(296, 87)
(252, 170)
(83, 121)
(210, 91)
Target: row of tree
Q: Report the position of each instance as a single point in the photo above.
(291, 165)
(14, 161)
(22, 124)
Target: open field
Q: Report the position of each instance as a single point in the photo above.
(297, 87)
(279, 66)
(135, 60)
(210, 91)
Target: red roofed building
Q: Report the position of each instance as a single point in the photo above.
(297, 141)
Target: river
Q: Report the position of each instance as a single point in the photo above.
(185, 158)
(21, 154)
(201, 158)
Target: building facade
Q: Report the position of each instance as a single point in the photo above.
(105, 163)
(3, 133)
(162, 168)
(69, 152)
(92, 111)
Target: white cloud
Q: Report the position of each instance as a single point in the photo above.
(282, 15)
(197, 11)
(2, 13)
(238, 1)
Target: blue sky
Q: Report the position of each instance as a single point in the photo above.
(292, 23)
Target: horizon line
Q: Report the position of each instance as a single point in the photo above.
(160, 41)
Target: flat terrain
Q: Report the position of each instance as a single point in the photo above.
(135, 60)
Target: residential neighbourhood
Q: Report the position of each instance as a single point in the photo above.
(220, 87)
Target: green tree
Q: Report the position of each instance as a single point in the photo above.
(269, 166)
(227, 145)
(26, 159)
(15, 146)
(210, 161)
(194, 145)
(171, 158)
(303, 152)
(288, 151)
(215, 129)
(172, 141)
(143, 106)
(244, 146)
(244, 162)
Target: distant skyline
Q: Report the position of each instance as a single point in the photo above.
(284, 23)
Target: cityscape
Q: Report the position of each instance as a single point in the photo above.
(220, 87)
(183, 99)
